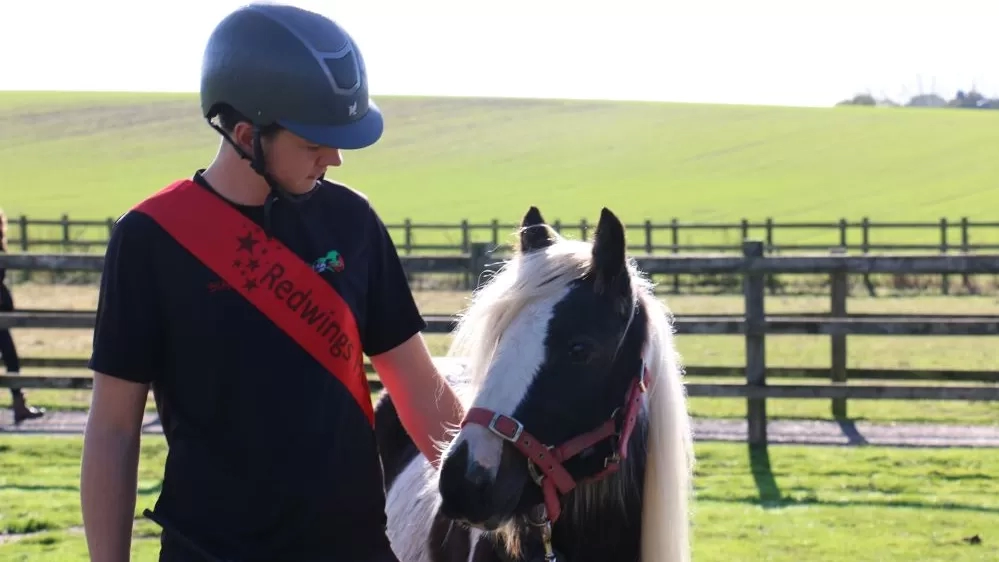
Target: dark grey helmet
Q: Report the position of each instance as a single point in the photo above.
(281, 64)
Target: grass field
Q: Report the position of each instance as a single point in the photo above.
(493, 158)
(443, 160)
(787, 504)
(978, 353)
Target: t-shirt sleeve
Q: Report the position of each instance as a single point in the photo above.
(128, 333)
(392, 314)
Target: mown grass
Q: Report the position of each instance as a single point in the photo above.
(493, 158)
(903, 352)
(787, 504)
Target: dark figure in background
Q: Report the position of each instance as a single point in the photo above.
(8, 352)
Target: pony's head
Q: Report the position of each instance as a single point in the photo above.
(555, 345)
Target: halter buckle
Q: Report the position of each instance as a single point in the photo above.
(532, 469)
(614, 458)
(517, 430)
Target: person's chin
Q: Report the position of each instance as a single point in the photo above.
(303, 186)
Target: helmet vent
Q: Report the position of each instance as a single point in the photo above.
(344, 71)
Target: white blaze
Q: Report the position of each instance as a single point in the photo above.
(515, 363)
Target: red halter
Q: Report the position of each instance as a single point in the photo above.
(555, 479)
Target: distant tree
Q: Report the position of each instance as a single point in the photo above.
(927, 100)
(860, 99)
(971, 99)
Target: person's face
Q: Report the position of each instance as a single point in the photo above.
(297, 163)
(294, 162)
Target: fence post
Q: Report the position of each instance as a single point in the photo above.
(965, 242)
(478, 255)
(772, 280)
(674, 227)
(65, 232)
(839, 290)
(753, 284)
(25, 275)
(944, 247)
(865, 244)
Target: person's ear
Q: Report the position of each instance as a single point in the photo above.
(242, 133)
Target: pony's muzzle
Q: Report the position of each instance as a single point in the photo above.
(469, 490)
(464, 487)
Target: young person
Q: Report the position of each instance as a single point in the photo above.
(8, 351)
(235, 295)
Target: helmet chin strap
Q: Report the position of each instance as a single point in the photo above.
(259, 165)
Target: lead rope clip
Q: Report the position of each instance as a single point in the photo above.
(545, 523)
(546, 541)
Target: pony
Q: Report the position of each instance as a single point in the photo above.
(576, 443)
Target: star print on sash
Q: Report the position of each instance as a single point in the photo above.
(250, 260)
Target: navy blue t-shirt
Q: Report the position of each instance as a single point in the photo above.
(270, 457)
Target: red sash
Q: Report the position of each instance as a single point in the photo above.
(269, 275)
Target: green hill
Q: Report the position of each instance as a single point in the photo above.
(446, 159)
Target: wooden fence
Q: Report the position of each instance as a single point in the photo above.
(945, 235)
(754, 325)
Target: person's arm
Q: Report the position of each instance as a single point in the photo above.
(109, 466)
(427, 407)
(125, 359)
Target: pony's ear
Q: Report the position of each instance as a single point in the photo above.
(609, 252)
(534, 233)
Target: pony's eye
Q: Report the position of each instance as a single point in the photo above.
(580, 351)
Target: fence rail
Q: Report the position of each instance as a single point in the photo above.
(656, 236)
(886, 325)
(754, 324)
(672, 237)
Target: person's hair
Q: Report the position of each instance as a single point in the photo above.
(228, 118)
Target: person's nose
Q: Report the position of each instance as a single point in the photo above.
(331, 157)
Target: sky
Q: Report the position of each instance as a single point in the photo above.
(770, 52)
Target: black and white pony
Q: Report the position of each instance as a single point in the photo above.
(576, 444)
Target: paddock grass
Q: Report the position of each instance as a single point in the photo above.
(915, 352)
(447, 159)
(787, 504)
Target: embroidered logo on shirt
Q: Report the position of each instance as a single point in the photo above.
(332, 260)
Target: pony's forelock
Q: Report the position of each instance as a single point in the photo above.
(525, 278)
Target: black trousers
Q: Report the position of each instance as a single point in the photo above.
(8, 352)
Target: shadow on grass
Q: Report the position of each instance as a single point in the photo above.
(810, 500)
(770, 496)
(766, 484)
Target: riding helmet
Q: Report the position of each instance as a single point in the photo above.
(281, 64)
